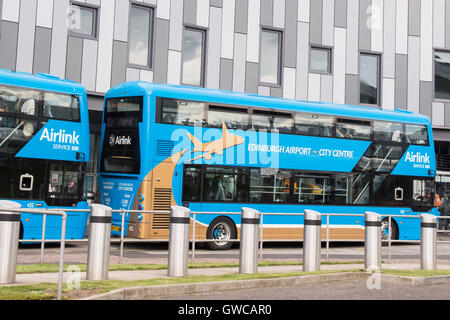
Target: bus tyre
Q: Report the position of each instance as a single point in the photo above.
(385, 229)
(221, 228)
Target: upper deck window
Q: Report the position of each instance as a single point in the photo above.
(416, 134)
(384, 131)
(61, 106)
(272, 121)
(20, 100)
(187, 113)
(314, 125)
(234, 118)
(30, 102)
(353, 129)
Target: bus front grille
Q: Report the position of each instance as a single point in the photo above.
(161, 202)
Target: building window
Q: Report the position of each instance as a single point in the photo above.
(442, 75)
(320, 60)
(83, 21)
(270, 66)
(140, 36)
(369, 79)
(193, 56)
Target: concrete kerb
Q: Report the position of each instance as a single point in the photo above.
(193, 288)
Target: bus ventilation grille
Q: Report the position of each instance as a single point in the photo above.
(161, 202)
(164, 148)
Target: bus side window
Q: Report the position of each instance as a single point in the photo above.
(186, 113)
(416, 134)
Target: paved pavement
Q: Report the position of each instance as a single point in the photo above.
(335, 290)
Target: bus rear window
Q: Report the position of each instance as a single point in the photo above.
(125, 104)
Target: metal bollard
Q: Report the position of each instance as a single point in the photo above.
(9, 240)
(248, 252)
(99, 242)
(178, 241)
(428, 242)
(312, 241)
(372, 243)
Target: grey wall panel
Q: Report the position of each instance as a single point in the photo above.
(426, 98)
(251, 77)
(226, 74)
(447, 114)
(290, 34)
(276, 92)
(190, 12)
(279, 11)
(59, 38)
(315, 30)
(89, 67)
(74, 57)
(326, 88)
(161, 51)
(388, 62)
(365, 34)
(176, 26)
(302, 76)
(413, 74)
(414, 17)
(267, 13)
(119, 62)
(352, 51)
(241, 16)
(352, 89)
(121, 20)
(8, 45)
(328, 22)
(240, 55)
(340, 13)
(25, 45)
(42, 47)
(401, 81)
(214, 48)
(447, 24)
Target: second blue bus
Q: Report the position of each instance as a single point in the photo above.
(216, 151)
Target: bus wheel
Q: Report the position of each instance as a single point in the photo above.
(222, 228)
(385, 230)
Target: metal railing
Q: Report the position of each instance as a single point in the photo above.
(327, 225)
(62, 241)
(193, 216)
(194, 240)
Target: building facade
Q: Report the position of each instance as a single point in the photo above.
(382, 53)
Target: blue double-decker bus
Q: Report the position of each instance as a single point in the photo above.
(216, 151)
(44, 147)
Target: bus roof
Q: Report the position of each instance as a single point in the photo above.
(253, 100)
(40, 81)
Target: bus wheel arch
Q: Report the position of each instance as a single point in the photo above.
(385, 229)
(221, 228)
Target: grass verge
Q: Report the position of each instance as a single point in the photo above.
(48, 291)
(49, 268)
